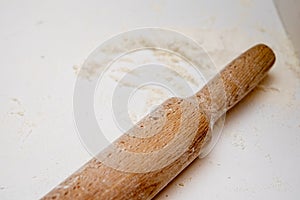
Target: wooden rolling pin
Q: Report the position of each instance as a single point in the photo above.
(144, 160)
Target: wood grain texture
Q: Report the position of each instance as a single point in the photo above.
(145, 159)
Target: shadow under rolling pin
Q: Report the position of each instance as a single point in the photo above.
(161, 147)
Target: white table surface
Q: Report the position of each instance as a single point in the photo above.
(42, 42)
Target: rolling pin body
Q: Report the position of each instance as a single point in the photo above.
(145, 159)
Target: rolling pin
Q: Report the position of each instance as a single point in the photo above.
(145, 159)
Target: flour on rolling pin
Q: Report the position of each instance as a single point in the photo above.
(141, 162)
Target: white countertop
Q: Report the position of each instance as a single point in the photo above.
(43, 43)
